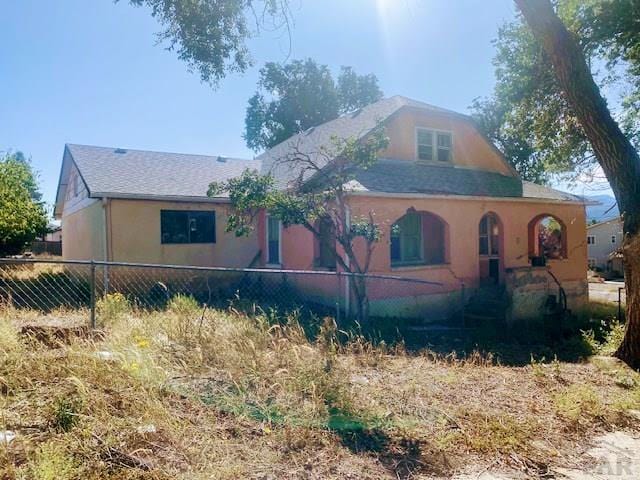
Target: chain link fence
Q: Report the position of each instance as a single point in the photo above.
(47, 285)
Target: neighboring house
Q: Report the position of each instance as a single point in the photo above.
(462, 216)
(604, 240)
(54, 234)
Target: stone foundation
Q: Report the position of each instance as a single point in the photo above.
(530, 287)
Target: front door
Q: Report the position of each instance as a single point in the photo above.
(489, 236)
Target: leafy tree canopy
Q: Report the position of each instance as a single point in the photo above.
(529, 118)
(22, 216)
(210, 35)
(300, 95)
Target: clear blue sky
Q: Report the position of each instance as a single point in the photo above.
(79, 71)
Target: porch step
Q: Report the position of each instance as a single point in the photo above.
(488, 304)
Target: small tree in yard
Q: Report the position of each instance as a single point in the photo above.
(22, 216)
(319, 194)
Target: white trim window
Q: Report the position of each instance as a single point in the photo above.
(613, 239)
(433, 145)
(273, 245)
(591, 239)
(592, 262)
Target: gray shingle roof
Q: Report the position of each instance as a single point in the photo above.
(137, 173)
(350, 125)
(533, 190)
(399, 176)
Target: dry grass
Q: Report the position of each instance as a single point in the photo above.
(188, 393)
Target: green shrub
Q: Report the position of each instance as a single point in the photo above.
(65, 413)
(112, 307)
(184, 305)
(613, 339)
(605, 341)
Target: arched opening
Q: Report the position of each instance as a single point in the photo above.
(418, 238)
(547, 239)
(490, 248)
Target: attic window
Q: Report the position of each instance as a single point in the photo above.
(433, 145)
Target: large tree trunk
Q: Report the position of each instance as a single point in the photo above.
(614, 152)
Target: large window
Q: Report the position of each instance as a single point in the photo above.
(418, 239)
(186, 226)
(273, 240)
(433, 145)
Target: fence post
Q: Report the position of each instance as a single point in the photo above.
(620, 303)
(338, 288)
(93, 295)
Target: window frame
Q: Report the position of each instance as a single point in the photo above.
(268, 262)
(614, 239)
(592, 262)
(189, 214)
(492, 221)
(325, 227)
(414, 262)
(593, 239)
(434, 145)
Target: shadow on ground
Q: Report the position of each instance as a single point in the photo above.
(404, 457)
(568, 340)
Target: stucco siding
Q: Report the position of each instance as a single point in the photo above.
(461, 270)
(470, 149)
(83, 232)
(463, 218)
(135, 236)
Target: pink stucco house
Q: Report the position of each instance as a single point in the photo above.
(463, 217)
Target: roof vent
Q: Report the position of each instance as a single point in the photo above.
(120, 150)
(222, 159)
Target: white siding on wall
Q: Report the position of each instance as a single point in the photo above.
(602, 244)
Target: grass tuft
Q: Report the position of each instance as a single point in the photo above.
(193, 392)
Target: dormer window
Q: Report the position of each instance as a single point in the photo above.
(433, 145)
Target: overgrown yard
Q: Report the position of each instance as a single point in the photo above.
(187, 393)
